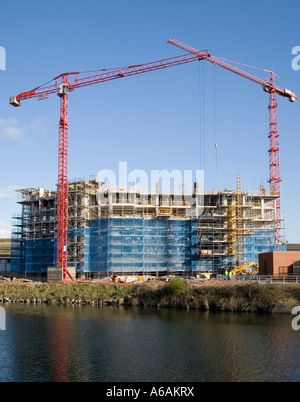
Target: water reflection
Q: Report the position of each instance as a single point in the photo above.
(84, 343)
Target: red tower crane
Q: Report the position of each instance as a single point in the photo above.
(65, 86)
(268, 86)
(62, 89)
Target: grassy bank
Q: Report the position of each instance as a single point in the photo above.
(250, 297)
(61, 293)
(241, 297)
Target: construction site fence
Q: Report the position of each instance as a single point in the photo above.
(277, 278)
(290, 278)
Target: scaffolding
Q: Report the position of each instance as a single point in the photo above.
(239, 222)
(5, 254)
(82, 207)
(130, 230)
(140, 246)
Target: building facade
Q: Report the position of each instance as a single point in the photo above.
(126, 230)
(279, 263)
(5, 251)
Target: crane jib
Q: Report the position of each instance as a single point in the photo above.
(43, 91)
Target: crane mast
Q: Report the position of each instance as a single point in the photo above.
(274, 163)
(62, 91)
(62, 184)
(65, 86)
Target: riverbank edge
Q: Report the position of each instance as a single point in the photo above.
(250, 297)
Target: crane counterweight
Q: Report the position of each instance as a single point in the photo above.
(62, 90)
(14, 102)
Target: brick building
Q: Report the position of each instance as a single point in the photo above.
(278, 262)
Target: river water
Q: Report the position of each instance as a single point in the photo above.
(111, 344)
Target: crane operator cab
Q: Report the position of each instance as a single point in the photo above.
(64, 89)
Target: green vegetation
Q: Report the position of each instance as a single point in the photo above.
(63, 293)
(175, 287)
(249, 297)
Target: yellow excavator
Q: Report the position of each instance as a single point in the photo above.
(241, 268)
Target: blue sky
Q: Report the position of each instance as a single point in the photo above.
(168, 119)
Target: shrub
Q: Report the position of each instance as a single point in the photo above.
(175, 287)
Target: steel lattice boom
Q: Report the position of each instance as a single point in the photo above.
(65, 86)
(62, 89)
(268, 86)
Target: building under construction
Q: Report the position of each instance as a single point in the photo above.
(118, 230)
(5, 244)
